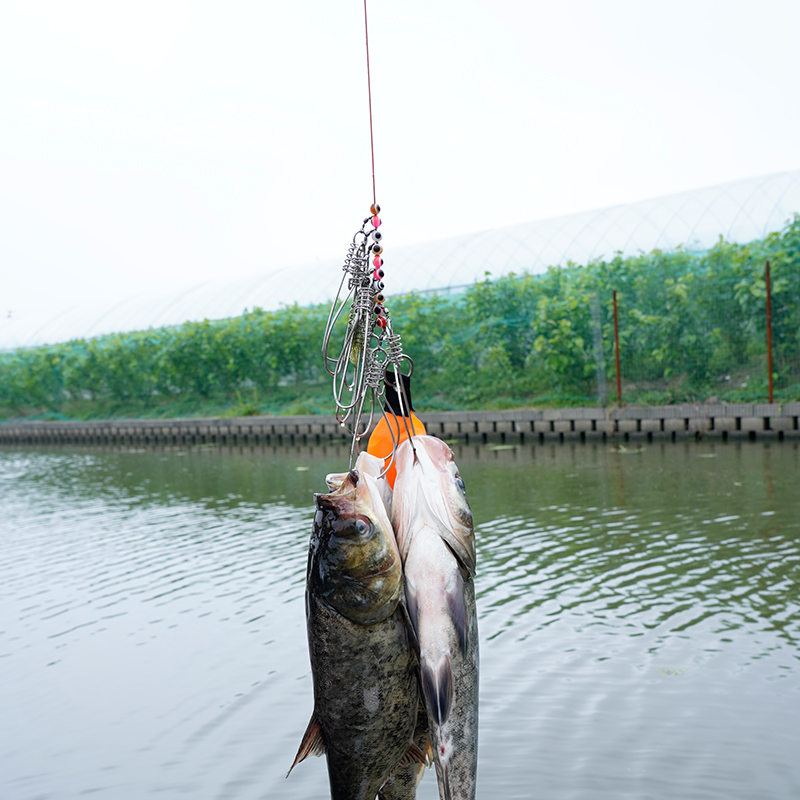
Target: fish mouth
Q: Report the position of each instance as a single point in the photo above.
(431, 464)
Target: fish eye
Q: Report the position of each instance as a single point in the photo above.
(354, 528)
(363, 527)
(460, 484)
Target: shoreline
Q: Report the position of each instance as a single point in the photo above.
(720, 420)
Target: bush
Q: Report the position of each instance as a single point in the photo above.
(691, 325)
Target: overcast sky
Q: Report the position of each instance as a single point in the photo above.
(166, 142)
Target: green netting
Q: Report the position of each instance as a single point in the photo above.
(692, 327)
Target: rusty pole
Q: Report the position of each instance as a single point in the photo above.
(616, 350)
(769, 332)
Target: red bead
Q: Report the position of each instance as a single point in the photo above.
(376, 222)
(377, 275)
(377, 261)
(381, 321)
(375, 208)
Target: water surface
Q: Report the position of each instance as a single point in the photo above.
(639, 614)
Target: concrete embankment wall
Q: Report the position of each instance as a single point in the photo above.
(753, 421)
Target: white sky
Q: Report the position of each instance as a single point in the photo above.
(165, 142)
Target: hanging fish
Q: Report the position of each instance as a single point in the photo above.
(364, 667)
(433, 525)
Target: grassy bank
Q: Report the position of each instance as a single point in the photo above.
(692, 327)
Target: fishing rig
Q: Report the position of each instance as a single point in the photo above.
(371, 349)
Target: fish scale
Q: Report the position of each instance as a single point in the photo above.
(365, 697)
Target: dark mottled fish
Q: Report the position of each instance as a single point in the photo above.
(364, 668)
(433, 525)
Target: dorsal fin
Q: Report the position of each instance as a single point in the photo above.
(311, 745)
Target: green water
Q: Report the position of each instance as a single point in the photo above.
(639, 613)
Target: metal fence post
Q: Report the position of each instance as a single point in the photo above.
(616, 349)
(769, 332)
(599, 360)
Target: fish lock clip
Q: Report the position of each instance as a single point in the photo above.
(369, 347)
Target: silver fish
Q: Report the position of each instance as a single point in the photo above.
(433, 525)
(364, 666)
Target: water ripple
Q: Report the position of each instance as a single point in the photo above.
(634, 610)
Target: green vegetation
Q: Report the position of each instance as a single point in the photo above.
(692, 326)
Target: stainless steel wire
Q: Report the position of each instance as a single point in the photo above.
(369, 347)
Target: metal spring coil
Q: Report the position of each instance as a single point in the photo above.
(360, 310)
(363, 300)
(353, 260)
(374, 377)
(395, 355)
(356, 262)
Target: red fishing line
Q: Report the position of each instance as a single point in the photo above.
(369, 94)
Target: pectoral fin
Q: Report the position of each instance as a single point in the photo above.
(412, 756)
(311, 745)
(458, 613)
(410, 624)
(463, 548)
(412, 604)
